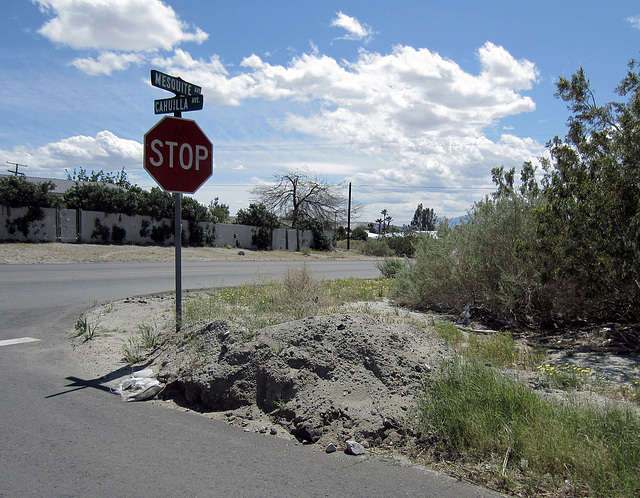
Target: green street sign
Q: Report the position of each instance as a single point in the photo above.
(178, 104)
(172, 84)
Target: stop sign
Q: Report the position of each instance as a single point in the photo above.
(178, 155)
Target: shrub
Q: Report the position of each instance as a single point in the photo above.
(359, 233)
(261, 238)
(389, 267)
(118, 234)
(489, 262)
(320, 241)
(376, 247)
(402, 245)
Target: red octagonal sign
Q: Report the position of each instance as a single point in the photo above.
(178, 155)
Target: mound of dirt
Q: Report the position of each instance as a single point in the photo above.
(324, 379)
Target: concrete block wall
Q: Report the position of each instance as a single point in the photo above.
(67, 225)
(234, 235)
(56, 225)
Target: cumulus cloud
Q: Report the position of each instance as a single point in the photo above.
(120, 29)
(420, 114)
(356, 31)
(105, 151)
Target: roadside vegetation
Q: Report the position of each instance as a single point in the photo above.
(549, 252)
(479, 419)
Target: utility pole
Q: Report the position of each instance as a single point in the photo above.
(15, 171)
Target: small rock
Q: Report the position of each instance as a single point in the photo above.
(331, 448)
(354, 448)
(273, 431)
(263, 430)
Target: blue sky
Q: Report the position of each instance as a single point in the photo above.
(411, 101)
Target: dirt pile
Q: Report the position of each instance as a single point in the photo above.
(324, 379)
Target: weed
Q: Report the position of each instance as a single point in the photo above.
(132, 350)
(470, 410)
(566, 376)
(85, 329)
(148, 335)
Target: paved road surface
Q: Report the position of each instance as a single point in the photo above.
(62, 435)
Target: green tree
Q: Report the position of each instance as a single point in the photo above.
(218, 212)
(359, 233)
(16, 191)
(119, 179)
(258, 215)
(424, 219)
(589, 226)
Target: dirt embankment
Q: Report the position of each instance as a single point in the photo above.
(324, 379)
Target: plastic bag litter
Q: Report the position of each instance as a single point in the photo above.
(139, 387)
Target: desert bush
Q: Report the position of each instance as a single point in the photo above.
(402, 245)
(375, 247)
(487, 261)
(300, 293)
(389, 267)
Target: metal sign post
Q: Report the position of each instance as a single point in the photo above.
(178, 155)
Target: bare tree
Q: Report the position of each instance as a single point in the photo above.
(302, 195)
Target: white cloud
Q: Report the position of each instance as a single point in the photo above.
(107, 62)
(634, 21)
(356, 30)
(120, 29)
(105, 151)
(127, 25)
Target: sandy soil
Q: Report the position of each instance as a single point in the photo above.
(22, 253)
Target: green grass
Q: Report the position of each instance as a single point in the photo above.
(495, 349)
(471, 411)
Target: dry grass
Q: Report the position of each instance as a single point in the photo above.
(32, 253)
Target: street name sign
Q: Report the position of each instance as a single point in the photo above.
(178, 104)
(174, 84)
(178, 155)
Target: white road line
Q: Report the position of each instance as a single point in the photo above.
(20, 340)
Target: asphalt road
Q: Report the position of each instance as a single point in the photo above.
(62, 434)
